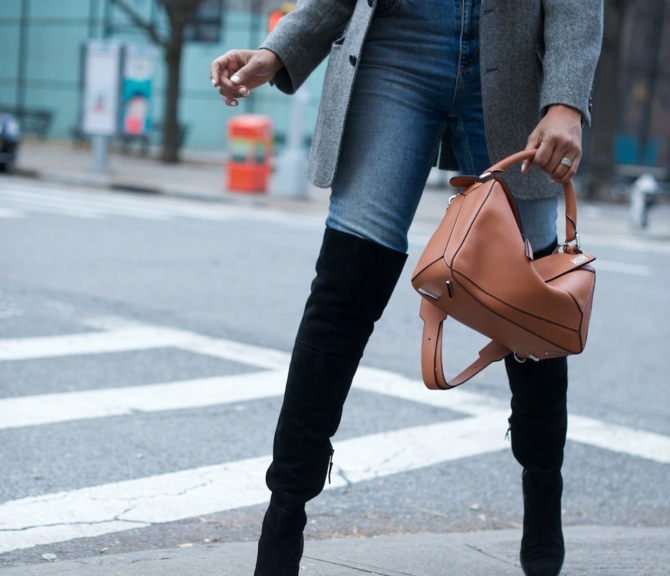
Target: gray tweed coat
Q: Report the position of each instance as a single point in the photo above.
(534, 53)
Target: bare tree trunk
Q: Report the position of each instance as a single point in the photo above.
(606, 104)
(179, 13)
(171, 136)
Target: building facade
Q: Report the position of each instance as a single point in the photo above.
(41, 42)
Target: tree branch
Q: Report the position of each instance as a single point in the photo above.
(136, 19)
(181, 12)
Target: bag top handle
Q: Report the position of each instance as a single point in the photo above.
(568, 190)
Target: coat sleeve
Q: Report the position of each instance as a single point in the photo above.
(572, 36)
(302, 39)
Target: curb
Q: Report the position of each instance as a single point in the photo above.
(593, 550)
(258, 199)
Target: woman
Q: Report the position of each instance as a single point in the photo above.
(411, 82)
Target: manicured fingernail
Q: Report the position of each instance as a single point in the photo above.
(213, 82)
(235, 79)
(243, 91)
(233, 103)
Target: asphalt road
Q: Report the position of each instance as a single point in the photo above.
(142, 347)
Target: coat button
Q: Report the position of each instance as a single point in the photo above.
(353, 60)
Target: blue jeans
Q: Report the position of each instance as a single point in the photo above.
(418, 75)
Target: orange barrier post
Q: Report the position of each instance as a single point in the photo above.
(249, 153)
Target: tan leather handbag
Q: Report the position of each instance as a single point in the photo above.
(478, 269)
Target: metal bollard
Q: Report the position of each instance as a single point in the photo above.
(642, 194)
(290, 177)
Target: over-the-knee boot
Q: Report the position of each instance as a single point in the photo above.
(354, 281)
(538, 428)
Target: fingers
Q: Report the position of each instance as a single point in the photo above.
(532, 144)
(566, 168)
(225, 75)
(237, 72)
(559, 157)
(558, 139)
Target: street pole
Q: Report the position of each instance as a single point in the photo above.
(100, 143)
(100, 149)
(254, 29)
(290, 177)
(655, 45)
(23, 53)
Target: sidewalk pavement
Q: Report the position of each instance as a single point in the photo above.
(596, 551)
(199, 176)
(592, 551)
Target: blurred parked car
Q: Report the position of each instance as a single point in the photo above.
(10, 135)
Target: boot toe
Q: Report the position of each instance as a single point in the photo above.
(545, 566)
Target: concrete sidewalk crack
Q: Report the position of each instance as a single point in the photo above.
(374, 572)
(476, 549)
(56, 524)
(342, 474)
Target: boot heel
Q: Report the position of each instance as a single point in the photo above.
(281, 543)
(542, 545)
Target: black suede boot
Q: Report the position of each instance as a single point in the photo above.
(542, 546)
(538, 427)
(355, 279)
(281, 542)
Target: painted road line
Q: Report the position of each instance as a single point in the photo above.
(54, 208)
(621, 439)
(217, 347)
(621, 267)
(88, 343)
(458, 399)
(137, 336)
(236, 351)
(106, 208)
(110, 202)
(140, 337)
(106, 201)
(183, 395)
(70, 406)
(11, 213)
(87, 404)
(175, 496)
(626, 243)
(42, 409)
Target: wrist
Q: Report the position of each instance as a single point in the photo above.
(565, 112)
(273, 59)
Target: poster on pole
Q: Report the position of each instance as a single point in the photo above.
(138, 69)
(101, 88)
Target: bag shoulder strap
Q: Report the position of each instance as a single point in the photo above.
(431, 351)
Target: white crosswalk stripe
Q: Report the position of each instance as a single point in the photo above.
(141, 502)
(101, 204)
(50, 207)
(11, 213)
(38, 199)
(69, 406)
(175, 496)
(623, 268)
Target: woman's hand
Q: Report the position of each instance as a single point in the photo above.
(558, 139)
(237, 72)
